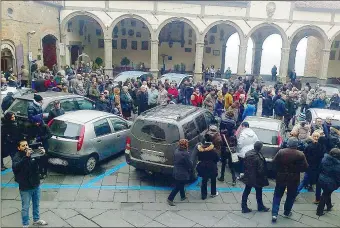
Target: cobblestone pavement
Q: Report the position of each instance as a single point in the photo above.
(117, 195)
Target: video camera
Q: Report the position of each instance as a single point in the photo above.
(37, 149)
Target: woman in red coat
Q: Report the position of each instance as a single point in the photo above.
(173, 91)
(197, 98)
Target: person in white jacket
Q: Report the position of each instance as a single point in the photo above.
(245, 143)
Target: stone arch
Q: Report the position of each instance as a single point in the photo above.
(232, 24)
(311, 30)
(81, 13)
(280, 31)
(131, 16)
(48, 33)
(9, 44)
(172, 19)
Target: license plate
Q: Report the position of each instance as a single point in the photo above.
(152, 156)
(57, 161)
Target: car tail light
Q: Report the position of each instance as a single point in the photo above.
(279, 139)
(128, 143)
(50, 122)
(81, 138)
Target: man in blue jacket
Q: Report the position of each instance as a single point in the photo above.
(280, 107)
(34, 109)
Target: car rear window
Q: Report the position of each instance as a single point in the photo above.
(265, 135)
(65, 129)
(19, 107)
(155, 131)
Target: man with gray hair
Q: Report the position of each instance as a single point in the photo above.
(289, 162)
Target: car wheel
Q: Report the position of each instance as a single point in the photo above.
(90, 164)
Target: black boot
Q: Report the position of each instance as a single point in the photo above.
(245, 209)
(220, 179)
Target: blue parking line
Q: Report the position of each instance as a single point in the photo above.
(107, 173)
(194, 185)
(6, 171)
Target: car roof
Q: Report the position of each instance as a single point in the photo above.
(323, 113)
(49, 95)
(175, 75)
(171, 112)
(263, 123)
(83, 116)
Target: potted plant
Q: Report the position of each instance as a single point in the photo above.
(183, 68)
(125, 62)
(177, 68)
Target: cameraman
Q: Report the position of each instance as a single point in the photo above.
(25, 169)
(39, 133)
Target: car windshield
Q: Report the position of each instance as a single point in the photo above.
(128, 74)
(65, 129)
(265, 135)
(19, 107)
(330, 91)
(272, 126)
(155, 131)
(174, 77)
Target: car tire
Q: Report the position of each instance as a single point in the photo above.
(90, 164)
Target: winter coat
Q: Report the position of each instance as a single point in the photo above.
(218, 109)
(125, 101)
(289, 164)
(196, 99)
(228, 101)
(280, 107)
(94, 92)
(173, 92)
(55, 113)
(102, 105)
(182, 165)
(318, 103)
(314, 153)
(216, 140)
(235, 111)
(6, 102)
(142, 100)
(267, 106)
(330, 173)
(291, 107)
(26, 171)
(249, 111)
(152, 96)
(326, 128)
(208, 158)
(41, 134)
(227, 126)
(255, 170)
(246, 141)
(303, 132)
(334, 103)
(209, 102)
(10, 135)
(39, 85)
(162, 97)
(189, 89)
(34, 112)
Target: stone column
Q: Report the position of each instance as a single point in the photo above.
(324, 65)
(68, 55)
(154, 58)
(108, 57)
(256, 61)
(241, 66)
(284, 64)
(198, 61)
(224, 49)
(292, 57)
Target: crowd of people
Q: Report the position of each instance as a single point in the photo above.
(310, 149)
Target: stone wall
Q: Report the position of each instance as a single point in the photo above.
(29, 16)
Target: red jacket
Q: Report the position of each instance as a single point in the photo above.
(237, 95)
(173, 92)
(196, 99)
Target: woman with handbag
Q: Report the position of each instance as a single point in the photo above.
(182, 170)
(207, 166)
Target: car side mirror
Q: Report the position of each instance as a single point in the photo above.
(274, 140)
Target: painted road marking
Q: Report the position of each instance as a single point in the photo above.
(89, 185)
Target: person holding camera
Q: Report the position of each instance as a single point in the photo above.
(26, 173)
(39, 133)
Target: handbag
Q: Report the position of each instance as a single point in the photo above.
(234, 157)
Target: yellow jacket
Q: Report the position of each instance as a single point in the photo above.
(228, 101)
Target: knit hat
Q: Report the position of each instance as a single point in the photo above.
(293, 142)
(302, 117)
(37, 97)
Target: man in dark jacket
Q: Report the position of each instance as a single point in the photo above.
(7, 101)
(102, 103)
(267, 105)
(255, 176)
(34, 109)
(291, 107)
(142, 100)
(280, 108)
(289, 162)
(56, 111)
(274, 73)
(26, 173)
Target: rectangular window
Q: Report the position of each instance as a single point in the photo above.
(336, 45)
(145, 45)
(332, 55)
(123, 44)
(190, 130)
(201, 123)
(100, 43)
(134, 45)
(114, 44)
(102, 127)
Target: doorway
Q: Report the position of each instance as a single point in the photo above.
(49, 43)
(75, 52)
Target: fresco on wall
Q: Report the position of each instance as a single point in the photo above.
(172, 32)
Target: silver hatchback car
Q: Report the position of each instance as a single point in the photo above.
(82, 138)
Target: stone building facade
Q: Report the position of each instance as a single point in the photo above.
(192, 34)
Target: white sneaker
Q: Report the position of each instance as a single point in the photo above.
(213, 196)
(25, 226)
(40, 222)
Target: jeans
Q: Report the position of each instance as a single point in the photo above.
(26, 197)
(230, 164)
(178, 188)
(325, 199)
(204, 187)
(43, 163)
(246, 193)
(317, 192)
(278, 193)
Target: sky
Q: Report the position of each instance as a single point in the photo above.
(271, 54)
